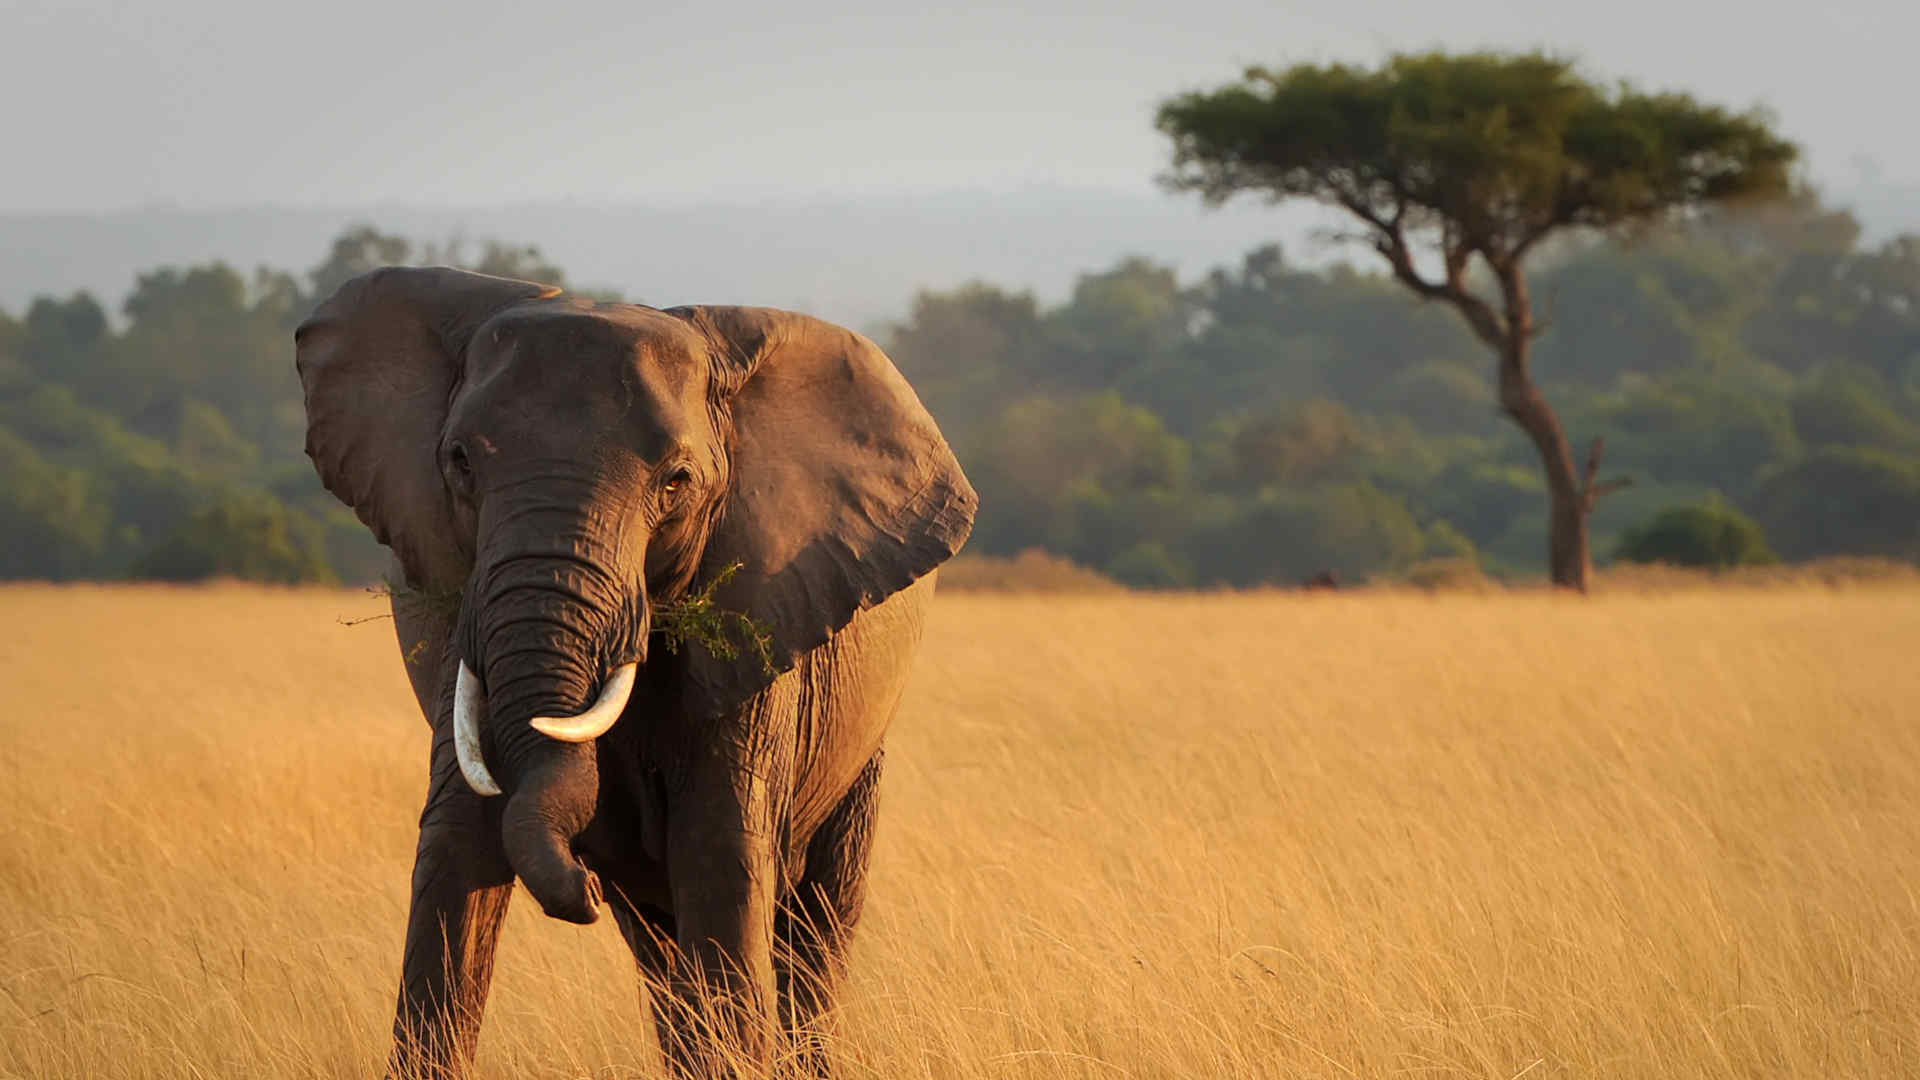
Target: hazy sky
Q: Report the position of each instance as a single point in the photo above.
(206, 103)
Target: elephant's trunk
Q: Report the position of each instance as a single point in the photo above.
(551, 806)
(556, 634)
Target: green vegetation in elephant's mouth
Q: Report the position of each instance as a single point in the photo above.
(695, 618)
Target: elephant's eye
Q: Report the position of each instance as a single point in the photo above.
(677, 482)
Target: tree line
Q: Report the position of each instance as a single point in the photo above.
(1268, 421)
(1261, 423)
(168, 444)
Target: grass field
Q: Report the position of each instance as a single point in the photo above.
(1358, 835)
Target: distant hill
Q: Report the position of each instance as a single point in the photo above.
(855, 260)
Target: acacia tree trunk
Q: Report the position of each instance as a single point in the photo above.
(1509, 333)
(1570, 503)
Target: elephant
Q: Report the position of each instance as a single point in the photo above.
(550, 474)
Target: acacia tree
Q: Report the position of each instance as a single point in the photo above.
(1457, 167)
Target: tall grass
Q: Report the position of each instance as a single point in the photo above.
(1381, 834)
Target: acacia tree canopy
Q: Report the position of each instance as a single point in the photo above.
(1496, 150)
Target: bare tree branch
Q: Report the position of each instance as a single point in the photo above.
(1390, 240)
(1513, 289)
(1602, 491)
(1591, 492)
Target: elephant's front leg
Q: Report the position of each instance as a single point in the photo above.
(817, 919)
(461, 886)
(724, 873)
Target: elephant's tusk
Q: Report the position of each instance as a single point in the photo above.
(596, 721)
(467, 704)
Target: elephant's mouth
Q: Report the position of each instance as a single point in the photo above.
(469, 702)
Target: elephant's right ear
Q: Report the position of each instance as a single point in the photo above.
(378, 363)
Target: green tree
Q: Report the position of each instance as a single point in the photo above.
(1149, 565)
(1713, 534)
(1444, 399)
(64, 340)
(969, 350)
(53, 522)
(1301, 445)
(1694, 428)
(1120, 322)
(1051, 469)
(205, 349)
(13, 335)
(1840, 407)
(1353, 530)
(1842, 501)
(1667, 303)
(1272, 333)
(1461, 164)
(254, 539)
(1833, 304)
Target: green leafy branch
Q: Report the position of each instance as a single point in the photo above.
(698, 618)
(445, 602)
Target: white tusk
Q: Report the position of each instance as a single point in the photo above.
(467, 704)
(596, 721)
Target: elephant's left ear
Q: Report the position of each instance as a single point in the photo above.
(842, 493)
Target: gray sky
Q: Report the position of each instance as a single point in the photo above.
(206, 103)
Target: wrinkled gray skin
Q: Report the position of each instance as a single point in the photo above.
(548, 471)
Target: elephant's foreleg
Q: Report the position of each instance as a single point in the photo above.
(461, 886)
(651, 935)
(724, 874)
(817, 920)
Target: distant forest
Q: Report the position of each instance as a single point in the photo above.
(1262, 424)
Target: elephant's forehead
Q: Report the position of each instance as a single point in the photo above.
(600, 366)
(566, 328)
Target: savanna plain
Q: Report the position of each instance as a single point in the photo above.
(1664, 834)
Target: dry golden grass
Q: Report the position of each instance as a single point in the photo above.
(1386, 834)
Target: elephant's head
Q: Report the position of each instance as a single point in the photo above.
(564, 466)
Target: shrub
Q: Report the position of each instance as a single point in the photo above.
(1712, 534)
(1450, 574)
(1149, 565)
